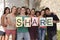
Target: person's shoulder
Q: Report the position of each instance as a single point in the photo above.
(8, 15)
(3, 16)
(53, 13)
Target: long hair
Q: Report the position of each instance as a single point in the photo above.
(12, 8)
(26, 11)
(6, 9)
(33, 9)
(37, 12)
(44, 12)
(17, 10)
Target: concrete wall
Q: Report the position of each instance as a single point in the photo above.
(17, 3)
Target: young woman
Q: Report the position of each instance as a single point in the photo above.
(33, 29)
(37, 13)
(3, 21)
(18, 10)
(42, 29)
(22, 32)
(11, 20)
(28, 12)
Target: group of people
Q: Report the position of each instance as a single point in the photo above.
(8, 22)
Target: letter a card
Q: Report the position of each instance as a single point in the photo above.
(34, 21)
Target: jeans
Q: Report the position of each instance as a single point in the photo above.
(21, 35)
(41, 32)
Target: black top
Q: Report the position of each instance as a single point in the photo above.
(54, 27)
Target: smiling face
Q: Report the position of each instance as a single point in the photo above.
(23, 11)
(32, 12)
(28, 11)
(47, 12)
(18, 10)
(37, 13)
(14, 10)
(7, 11)
(42, 13)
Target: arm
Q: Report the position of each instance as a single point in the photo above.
(2, 22)
(56, 19)
(39, 22)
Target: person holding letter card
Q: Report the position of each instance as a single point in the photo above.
(22, 32)
(42, 26)
(33, 28)
(51, 30)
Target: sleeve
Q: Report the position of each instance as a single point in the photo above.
(56, 18)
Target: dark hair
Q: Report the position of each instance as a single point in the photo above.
(32, 9)
(12, 8)
(18, 8)
(37, 12)
(23, 7)
(6, 9)
(47, 9)
(26, 10)
(44, 12)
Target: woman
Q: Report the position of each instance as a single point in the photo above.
(33, 29)
(42, 29)
(3, 20)
(37, 13)
(28, 12)
(18, 10)
(11, 20)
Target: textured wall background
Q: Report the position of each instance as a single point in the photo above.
(17, 3)
(54, 6)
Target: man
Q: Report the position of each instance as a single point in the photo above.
(22, 32)
(11, 20)
(52, 30)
